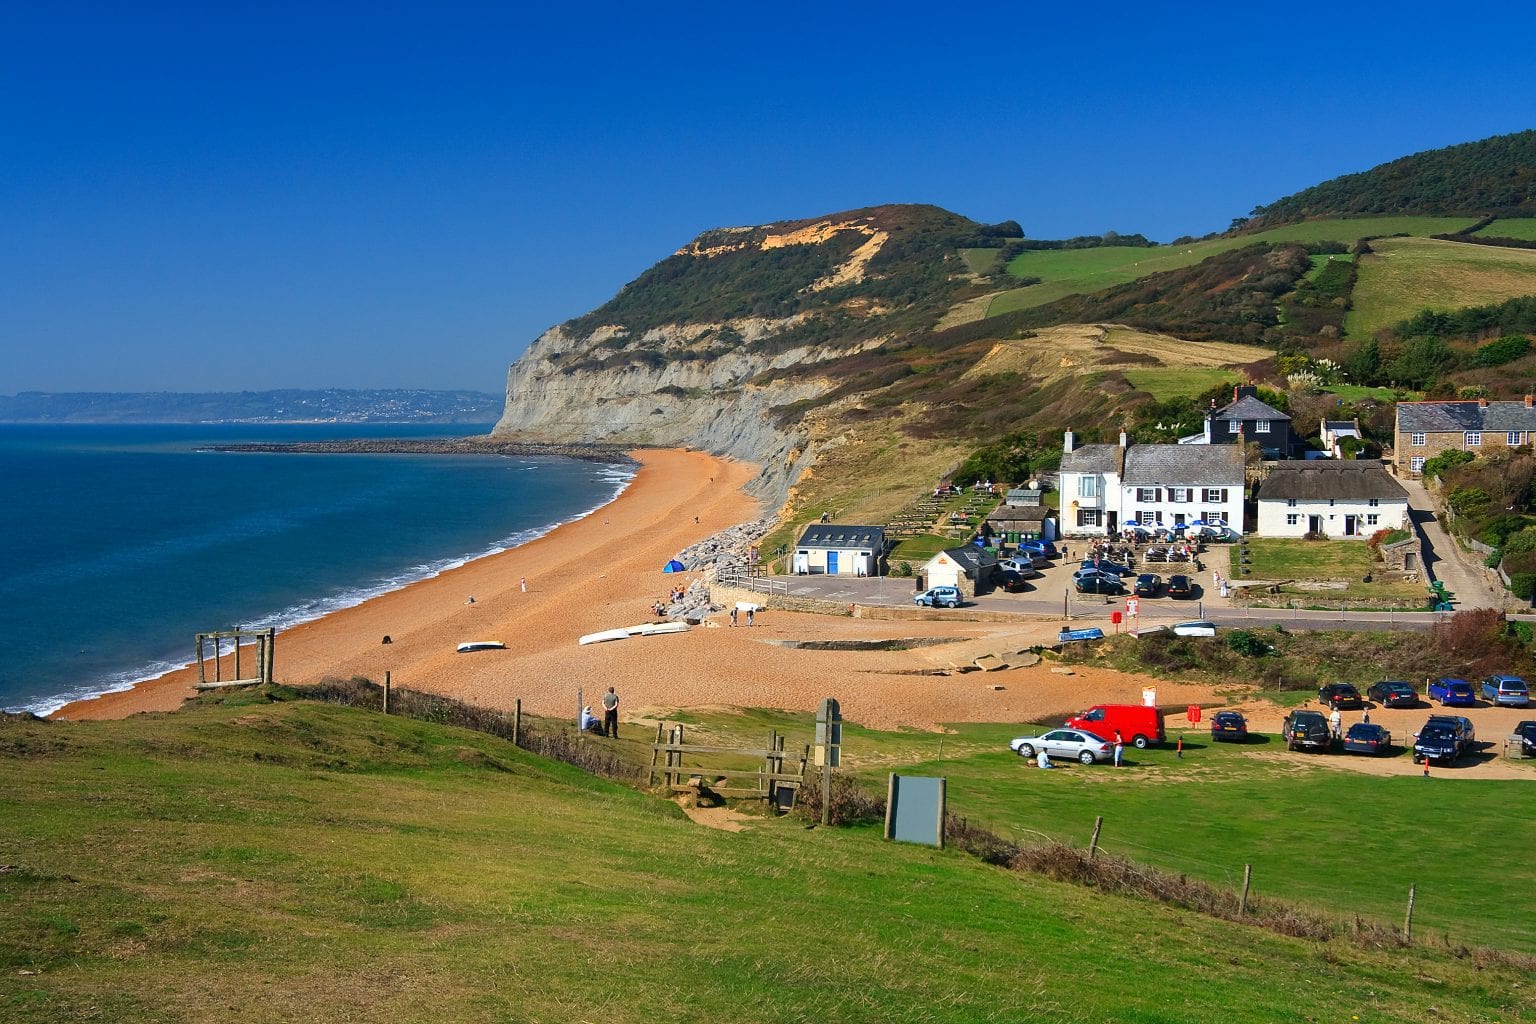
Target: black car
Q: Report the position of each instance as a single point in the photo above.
(1013, 582)
(1527, 733)
(1306, 730)
(1391, 693)
(1367, 738)
(1230, 726)
(1149, 584)
(1340, 696)
(1181, 587)
(1097, 583)
(1443, 738)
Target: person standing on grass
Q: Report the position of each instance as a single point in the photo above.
(1119, 747)
(611, 714)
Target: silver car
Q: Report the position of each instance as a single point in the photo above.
(1074, 743)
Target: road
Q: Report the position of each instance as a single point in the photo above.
(1444, 559)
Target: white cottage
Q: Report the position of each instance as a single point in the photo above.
(839, 550)
(1104, 486)
(1330, 499)
(970, 568)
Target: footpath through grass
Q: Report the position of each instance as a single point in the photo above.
(241, 861)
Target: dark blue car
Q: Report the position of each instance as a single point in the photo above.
(1453, 693)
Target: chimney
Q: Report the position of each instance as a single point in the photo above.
(1066, 442)
(1122, 439)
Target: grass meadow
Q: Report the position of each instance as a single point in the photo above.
(1405, 275)
(1282, 558)
(1523, 228)
(245, 861)
(1165, 383)
(1077, 271)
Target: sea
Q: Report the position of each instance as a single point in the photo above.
(119, 543)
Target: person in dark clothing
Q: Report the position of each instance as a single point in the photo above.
(611, 714)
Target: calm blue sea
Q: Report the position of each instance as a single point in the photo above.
(117, 544)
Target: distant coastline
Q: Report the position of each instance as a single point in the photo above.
(590, 452)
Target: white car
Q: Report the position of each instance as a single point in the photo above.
(1198, 627)
(1074, 743)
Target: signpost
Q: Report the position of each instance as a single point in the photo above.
(829, 747)
(1133, 610)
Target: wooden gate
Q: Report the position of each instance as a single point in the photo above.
(676, 765)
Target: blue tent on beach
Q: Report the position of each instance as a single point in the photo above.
(674, 566)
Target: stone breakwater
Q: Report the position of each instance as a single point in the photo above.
(728, 549)
(438, 446)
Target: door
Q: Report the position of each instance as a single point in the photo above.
(1314, 524)
(1113, 516)
(831, 563)
(1178, 519)
(1351, 525)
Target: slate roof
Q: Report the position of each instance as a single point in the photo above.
(1324, 479)
(1248, 408)
(1341, 426)
(1019, 514)
(1093, 458)
(970, 557)
(1181, 465)
(1442, 417)
(838, 535)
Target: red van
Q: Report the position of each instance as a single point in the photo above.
(1140, 725)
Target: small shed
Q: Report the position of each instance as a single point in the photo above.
(969, 568)
(837, 549)
(1014, 523)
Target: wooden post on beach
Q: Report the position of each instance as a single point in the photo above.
(237, 652)
(202, 676)
(386, 693)
(517, 723)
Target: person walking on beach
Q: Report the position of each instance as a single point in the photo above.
(750, 612)
(524, 584)
(611, 714)
(734, 613)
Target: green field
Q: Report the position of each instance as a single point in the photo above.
(245, 861)
(1405, 275)
(1319, 262)
(1516, 227)
(1169, 382)
(980, 261)
(1077, 271)
(1359, 393)
(1279, 558)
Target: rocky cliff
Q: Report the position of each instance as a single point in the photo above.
(718, 345)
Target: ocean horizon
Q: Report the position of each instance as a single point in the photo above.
(122, 542)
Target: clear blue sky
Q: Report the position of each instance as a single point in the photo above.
(225, 196)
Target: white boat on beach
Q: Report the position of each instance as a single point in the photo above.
(624, 633)
(469, 646)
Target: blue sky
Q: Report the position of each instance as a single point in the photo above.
(241, 196)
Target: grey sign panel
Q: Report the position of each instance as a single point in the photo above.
(914, 810)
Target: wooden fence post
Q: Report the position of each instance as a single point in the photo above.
(1093, 843)
(517, 723)
(1408, 919)
(1242, 903)
(386, 693)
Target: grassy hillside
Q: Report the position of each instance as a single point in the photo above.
(1405, 275)
(1081, 271)
(1511, 227)
(247, 862)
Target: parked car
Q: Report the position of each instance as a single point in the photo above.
(1140, 725)
(940, 597)
(1181, 587)
(1017, 568)
(1392, 693)
(1367, 738)
(1013, 582)
(1040, 547)
(1229, 726)
(1453, 693)
(1103, 565)
(1098, 583)
(1306, 730)
(1341, 696)
(1023, 561)
(1197, 627)
(1074, 743)
(1527, 733)
(1149, 584)
(1444, 738)
(1507, 691)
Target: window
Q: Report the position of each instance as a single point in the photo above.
(1417, 440)
(1474, 439)
(1212, 495)
(1416, 464)
(1261, 426)
(1372, 519)
(1089, 516)
(1375, 502)
(1087, 487)
(1181, 494)
(1213, 515)
(1233, 426)
(1290, 502)
(1512, 439)
(1292, 518)
(1149, 494)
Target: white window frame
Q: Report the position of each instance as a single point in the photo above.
(1372, 518)
(1147, 495)
(1087, 487)
(1416, 464)
(1090, 517)
(1233, 426)
(1213, 495)
(1474, 439)
(1417, 440)
(1292, 518)
(1512, 438)
(1261, 426)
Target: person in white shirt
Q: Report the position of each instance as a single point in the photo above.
(589, 722)
(1042, 759)
(1336, 724)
